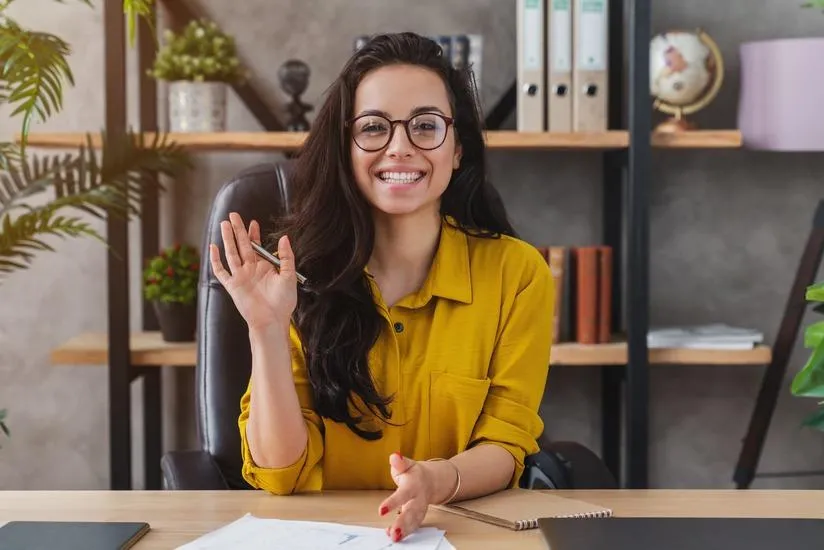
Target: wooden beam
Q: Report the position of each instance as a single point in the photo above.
(183, 11)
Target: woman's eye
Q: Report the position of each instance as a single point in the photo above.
(373, 128)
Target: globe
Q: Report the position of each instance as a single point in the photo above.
(686, 71)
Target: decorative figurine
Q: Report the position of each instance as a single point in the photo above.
(294, 79)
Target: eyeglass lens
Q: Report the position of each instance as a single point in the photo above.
(373, 132)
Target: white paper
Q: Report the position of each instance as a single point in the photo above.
(253, 533)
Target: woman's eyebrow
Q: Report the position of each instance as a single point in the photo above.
(413, 112)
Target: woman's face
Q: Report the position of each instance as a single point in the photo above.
(396, 176)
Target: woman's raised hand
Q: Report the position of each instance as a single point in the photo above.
(263, 295)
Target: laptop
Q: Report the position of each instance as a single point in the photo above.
(682, 533)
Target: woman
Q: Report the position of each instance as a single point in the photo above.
(415, 357)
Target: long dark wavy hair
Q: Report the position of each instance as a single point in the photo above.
(331, 229)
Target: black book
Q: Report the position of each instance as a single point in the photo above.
(71, 535)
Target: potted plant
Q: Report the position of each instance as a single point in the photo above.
(809, 381)
(776, 110)
(170, 283)
(199, 64)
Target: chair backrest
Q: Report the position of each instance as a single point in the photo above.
(223, 352)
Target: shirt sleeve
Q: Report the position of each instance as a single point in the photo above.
(519, 369)
(306, 473)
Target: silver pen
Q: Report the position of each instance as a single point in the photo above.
(266, 255)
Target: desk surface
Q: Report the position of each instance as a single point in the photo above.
(179, 517)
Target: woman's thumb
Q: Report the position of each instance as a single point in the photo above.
(287, 258)
(399, 463)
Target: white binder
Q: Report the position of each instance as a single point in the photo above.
(559, 65)
(531, 100)
(590, 65)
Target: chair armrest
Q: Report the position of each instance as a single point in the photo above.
(191, 471)
(584, 469)
(565, 465)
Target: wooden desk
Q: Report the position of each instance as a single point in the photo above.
(177, 517)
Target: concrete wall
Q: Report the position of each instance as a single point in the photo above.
(727, 230)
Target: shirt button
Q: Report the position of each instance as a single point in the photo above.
(398, 327)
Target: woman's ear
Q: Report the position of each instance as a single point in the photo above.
(456, 159)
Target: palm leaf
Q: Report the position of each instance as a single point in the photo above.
(135, 9)
(113, 185)
(9, 155)
(19, 237)
(33, 67)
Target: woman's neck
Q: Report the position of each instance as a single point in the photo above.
(402, 253)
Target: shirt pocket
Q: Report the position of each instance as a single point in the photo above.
(455, 403)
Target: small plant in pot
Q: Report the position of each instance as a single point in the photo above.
(809, 381)
(170, 283)
(199, 64)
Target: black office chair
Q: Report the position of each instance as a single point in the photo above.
(224, 366)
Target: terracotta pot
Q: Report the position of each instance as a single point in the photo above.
(178, 322)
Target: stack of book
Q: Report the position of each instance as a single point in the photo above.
(710, 336)
(583, 292)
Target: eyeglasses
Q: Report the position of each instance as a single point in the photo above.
(425, 131)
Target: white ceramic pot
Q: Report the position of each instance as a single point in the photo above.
(197, 106)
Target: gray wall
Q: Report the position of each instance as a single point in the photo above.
(727, 230)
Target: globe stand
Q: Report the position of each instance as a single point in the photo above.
(676, 124)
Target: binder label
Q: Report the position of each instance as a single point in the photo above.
(592, 38)
(561, 37)
(533, 26)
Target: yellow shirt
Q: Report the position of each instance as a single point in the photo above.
(466, 358)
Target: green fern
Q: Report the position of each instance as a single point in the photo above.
(134, 9)
(113, 185)
(34, 69)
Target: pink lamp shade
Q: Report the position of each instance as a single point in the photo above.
(780, 107)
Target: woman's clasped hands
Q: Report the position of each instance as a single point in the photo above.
(420, 483)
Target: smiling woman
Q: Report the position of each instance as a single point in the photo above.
(418, 360)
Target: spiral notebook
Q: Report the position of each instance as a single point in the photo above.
(520, 509)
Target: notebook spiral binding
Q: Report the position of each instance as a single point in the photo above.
(522, 524)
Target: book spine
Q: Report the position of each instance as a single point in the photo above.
(586, 321)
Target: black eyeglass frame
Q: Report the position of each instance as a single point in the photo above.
(449, 121)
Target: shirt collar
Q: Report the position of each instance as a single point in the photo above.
(449, 275)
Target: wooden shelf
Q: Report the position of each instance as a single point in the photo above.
(616, 354)
(149, 349)
(496, 140)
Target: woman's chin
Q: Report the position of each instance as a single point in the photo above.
(400, 207)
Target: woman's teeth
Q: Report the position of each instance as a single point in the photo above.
(400, 177)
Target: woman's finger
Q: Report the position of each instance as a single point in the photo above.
(230, 247)
(242, 236)
(287, 258)
(393, 502)
(217, 266)
(410, 518)
(254, 231)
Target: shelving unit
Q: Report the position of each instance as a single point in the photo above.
(626, 152)
(148, 349)
(496, 140)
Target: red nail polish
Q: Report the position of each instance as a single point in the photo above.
(384, 510)
(397, 534)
